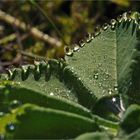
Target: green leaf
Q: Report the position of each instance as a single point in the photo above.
(131, 119)
(9, 95)
(31, 121)
(93, 136)
(43, 77)
(134, 136)
(105, 65)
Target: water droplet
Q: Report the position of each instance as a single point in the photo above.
(128, 14)
(1, 114)
(14, 104)
(36, 62)
(24, 69)
(116, 88)
(105, 26)
(114, 99)
(110, 91)
(76, 48)
(2, 137)
(113, 22)
(81, 43)
(112, 27)
(119, 18)
(79, 78)
(89, 37)
(96, 76)
(125, 16)
(97, 31)
(10, 127)
(90, 93)
(69, 53)
(51, 94)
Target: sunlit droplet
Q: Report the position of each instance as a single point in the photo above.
(69, 53)
(81, 43)
(1, 114)
(114, 99)
(116, 88)
(119, 18)
(15, 104)
(89, 37)
(113, 22)
(96, 76)
(76, 48)
(10, 127)
(105, 26)
(51, 94)
(97, 31)
(110, 91)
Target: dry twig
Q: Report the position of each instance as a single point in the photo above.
(34, 31)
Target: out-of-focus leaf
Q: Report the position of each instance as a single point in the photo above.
(131, 119)
(93, 136)
(125, 3)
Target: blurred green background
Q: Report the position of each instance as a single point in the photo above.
(73, 18)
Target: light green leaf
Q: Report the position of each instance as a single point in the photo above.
(93, 136)
(31, 121)
(105, 65)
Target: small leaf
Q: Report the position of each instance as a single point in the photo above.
(131, 119)
(93, 136)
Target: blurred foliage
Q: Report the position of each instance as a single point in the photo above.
(73, 19)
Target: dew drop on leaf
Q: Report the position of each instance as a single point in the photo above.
(89, 37)
(116, 88)
(96, 76)
(97, 31)
(110, 91)
(119, 18)
(1, 114)
(10, 127)
(113, 22)
(105, 26)
(69, 53)
(114, 99)
(81, 43)
(79, 78)
(51, 94)
(15, 104)
(76, 48)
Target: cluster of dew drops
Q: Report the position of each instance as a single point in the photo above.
(90, 36)
(10, 127)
